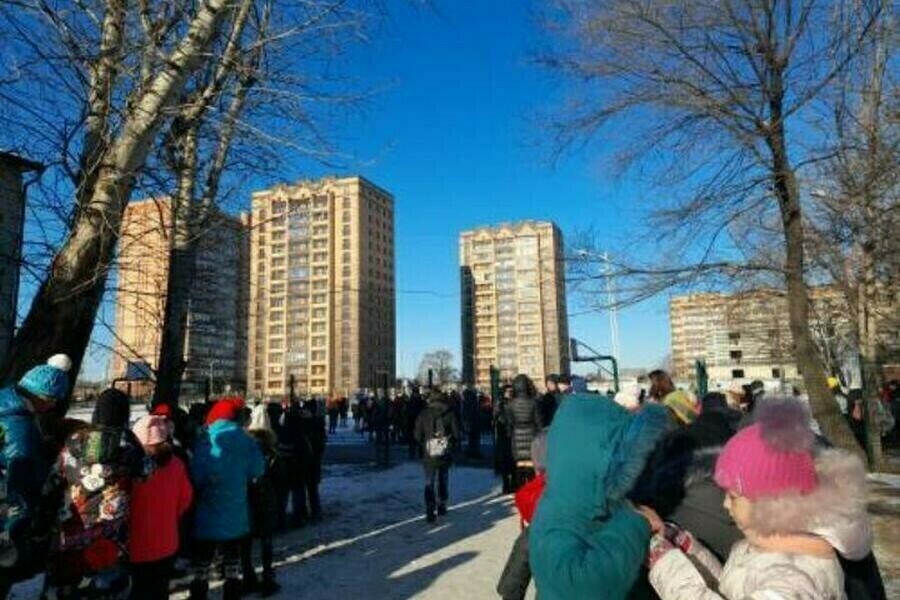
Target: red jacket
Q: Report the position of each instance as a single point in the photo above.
(157, 506)
(528, 495)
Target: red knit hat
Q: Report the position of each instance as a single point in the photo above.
(162, 410)
(773, 456)
(225, 409)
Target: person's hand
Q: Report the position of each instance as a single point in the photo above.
(681, 538)
(656, 523)
(659, 547)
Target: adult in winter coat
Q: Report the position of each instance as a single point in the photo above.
(263, 507)
(549, 401)
(678, 479)
(797, 509)
(312, 423)
(157, 507)
(516, 577)
(524, 416)
(415, 408)
(472, 419)
(587, 540)
(295, 463)
(226, 461)
(504, 462)
(95, 476)
(23, 468)
(436, 432)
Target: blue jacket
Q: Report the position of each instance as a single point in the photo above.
(586, 541)
(22, 470)
(226, 460)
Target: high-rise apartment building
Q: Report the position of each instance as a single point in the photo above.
(748, 335)
(12, 221)
(217, 319)
(322, 299)
(513, 302)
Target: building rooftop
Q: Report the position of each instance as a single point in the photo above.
(509, 226)
(17, 161)
(333, 179)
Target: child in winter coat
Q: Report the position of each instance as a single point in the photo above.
(157, 506)
(23, 468)
(264, 511)
(795, 508)
(226, 461)
(95, 475)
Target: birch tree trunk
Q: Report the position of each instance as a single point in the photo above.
(63, 311)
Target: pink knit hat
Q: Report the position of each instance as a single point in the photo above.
(151, 430)
(773, 456)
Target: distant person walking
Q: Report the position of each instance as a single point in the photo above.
(437, 433)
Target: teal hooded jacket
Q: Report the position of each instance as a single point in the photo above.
(586, 540)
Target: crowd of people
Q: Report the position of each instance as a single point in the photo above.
(104, 509)
(389, 418)
(651, 494)
(661, 495)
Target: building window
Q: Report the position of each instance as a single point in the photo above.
(734, 338)
(737, 374)
(776, 373)
(736, 354)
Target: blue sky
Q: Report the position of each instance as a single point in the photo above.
(453, 135)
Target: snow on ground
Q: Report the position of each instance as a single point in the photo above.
(884, 508)
(374, 539)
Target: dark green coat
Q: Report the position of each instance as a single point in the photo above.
(586, 540)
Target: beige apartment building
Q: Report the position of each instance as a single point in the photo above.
(513, 302)
(322, 298)
(747, 335)
(217, 319)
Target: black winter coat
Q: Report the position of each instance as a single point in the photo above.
(547, 405)
(263, 493)
(524, 419)
(436, 416)
(503, 456)
(677, 481)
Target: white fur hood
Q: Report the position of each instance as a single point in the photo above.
(835, 510)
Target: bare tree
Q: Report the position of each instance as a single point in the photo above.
(183, 145)
(127, 69)
(440, 363)
(855, 213)
(253, 86)
(718, 93)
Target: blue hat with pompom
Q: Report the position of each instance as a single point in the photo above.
(50, 380)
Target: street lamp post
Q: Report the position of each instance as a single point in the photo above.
(610, 299)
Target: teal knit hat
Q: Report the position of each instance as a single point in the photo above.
(51, 380)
